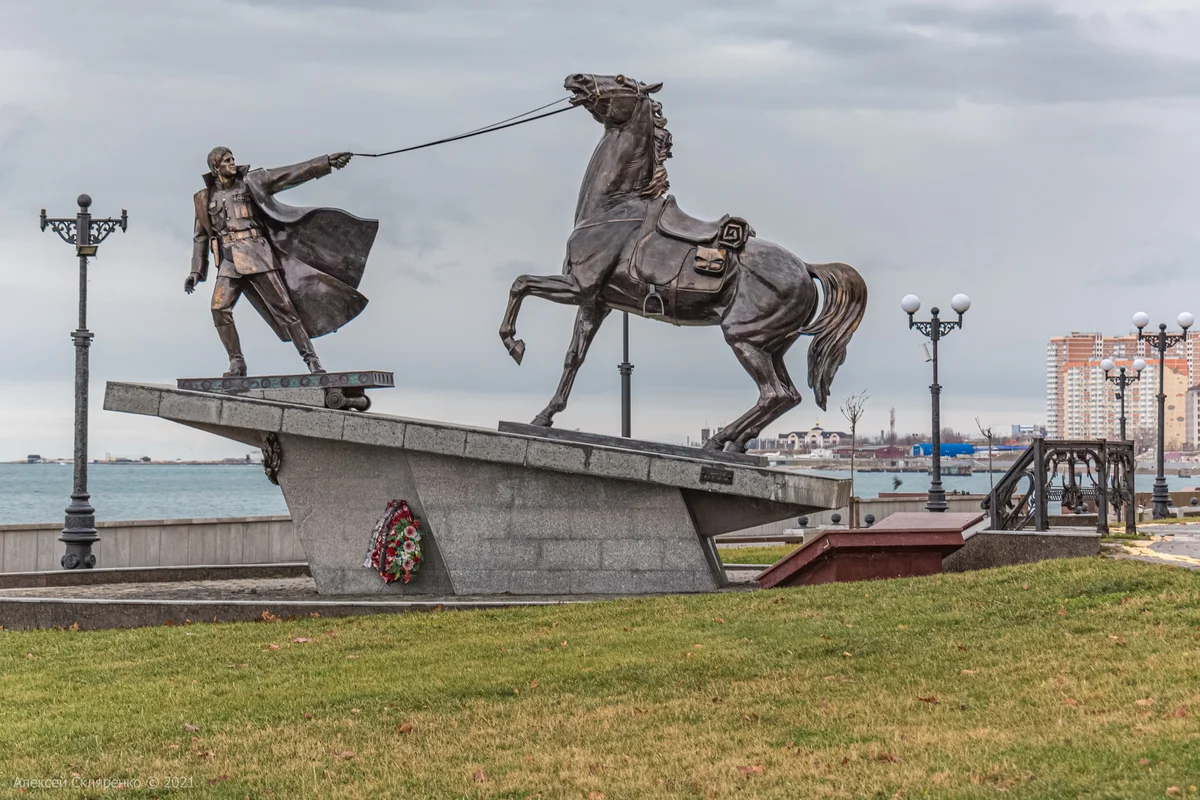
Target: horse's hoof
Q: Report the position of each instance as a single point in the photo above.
(542, 421)
(517, 351)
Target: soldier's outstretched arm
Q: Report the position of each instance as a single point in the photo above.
(283, 178)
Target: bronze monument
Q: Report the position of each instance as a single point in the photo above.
(634, 250)
(299, 267)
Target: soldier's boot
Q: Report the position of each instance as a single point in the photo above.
(233, 346)
(304, 347)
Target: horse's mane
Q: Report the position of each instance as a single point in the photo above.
(662, 151)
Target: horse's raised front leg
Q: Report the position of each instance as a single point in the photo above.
(587, 322)
(555, 288)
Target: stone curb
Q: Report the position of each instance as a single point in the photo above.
(92, 577)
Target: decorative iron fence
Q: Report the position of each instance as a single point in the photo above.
(1080, 474)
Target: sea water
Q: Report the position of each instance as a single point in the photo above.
(40, 492)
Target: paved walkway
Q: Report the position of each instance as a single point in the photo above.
(1177, 545)
(260, 590)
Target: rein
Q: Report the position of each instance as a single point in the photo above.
(495, 126)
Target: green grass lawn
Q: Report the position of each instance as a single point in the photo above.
(755, 555)
(1059, 680)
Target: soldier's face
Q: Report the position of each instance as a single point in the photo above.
(228, 167)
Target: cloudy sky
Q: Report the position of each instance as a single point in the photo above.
(1040, 156)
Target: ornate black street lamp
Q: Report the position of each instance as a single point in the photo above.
(1162, 343)
(935, 329)
(79, 532)
(1122, 382)
(626, 371)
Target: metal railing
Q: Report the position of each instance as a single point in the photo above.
(1075, 473)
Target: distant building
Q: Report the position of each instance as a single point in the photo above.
(33, 459)
(1191, 413)
(1027, 431)
(815, 438)
(1081, 404)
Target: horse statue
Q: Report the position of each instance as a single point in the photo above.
(634, 250)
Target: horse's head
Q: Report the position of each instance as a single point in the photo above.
(610, 99)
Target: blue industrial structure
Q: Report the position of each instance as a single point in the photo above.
(946, 450)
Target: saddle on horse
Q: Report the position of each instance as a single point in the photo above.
(669, 240)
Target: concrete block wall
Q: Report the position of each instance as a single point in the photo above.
(881, 507)
(158, 543)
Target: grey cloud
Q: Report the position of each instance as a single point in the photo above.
(1018, 152)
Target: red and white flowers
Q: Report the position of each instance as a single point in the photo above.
(395, 551)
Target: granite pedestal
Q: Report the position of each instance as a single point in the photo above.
(503, 512)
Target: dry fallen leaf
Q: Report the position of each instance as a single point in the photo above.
(480, 776)
(595, 795)
(1024, 585)
(218, 779)
(355, 711)
(1070, 701)
(272, 646)
(1146, 702)
(190, 727)
(1179, 712)
(1062, 612)
(74, 626)
(308, 715)
(720, 621)
(1174, 791)
(344, 755)
(1144, 762)
(931, 699)
(753, 769)
(533, 685)
(301, 639)
(888, 757)
(967, 671)
(846, 655)
(407, 727)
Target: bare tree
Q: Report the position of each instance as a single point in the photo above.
(990, 435)
(853, 410)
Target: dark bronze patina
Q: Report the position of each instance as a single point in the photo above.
(299, 267)
(634, 250)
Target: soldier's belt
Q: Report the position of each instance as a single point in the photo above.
(237, 236)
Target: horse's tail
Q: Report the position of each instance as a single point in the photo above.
(845, 303)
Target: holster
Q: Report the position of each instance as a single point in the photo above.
(214, 244)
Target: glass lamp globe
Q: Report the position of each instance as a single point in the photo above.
(1139, 365)
(911, 304)
(1141, 319)
(960, 303)
(1107, 365)
(1186, 320)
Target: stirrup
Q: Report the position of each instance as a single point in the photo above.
(653, 295)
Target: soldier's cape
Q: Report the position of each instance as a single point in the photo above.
(321, 252)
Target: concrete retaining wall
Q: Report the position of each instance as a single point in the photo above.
(158, 543)
(881, 507)
(272, 540)
(986, 549)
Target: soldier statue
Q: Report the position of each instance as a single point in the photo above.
(299, 267)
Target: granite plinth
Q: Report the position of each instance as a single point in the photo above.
(904, 545)
(579, 437)
(503, 512)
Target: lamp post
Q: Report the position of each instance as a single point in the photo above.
(626, 370)
(79, 532)
(1122, 381)
(935, 329)
(1162, 342)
